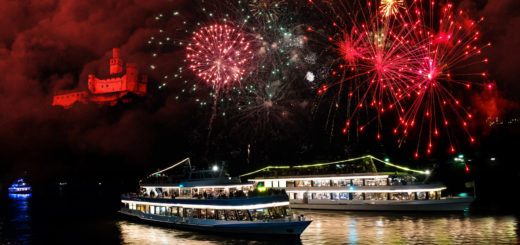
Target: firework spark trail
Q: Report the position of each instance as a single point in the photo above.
(218, 56)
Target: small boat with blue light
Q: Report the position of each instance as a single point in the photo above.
(20, 187)
(211, 201)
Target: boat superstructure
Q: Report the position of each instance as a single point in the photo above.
(364, 190)
(20, 187)
(210, 201)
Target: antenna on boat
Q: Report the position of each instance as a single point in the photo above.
(187, 159)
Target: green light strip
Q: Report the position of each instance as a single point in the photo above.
(397, 166)
(336, 162)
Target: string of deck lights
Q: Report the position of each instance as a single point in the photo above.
(426, 172)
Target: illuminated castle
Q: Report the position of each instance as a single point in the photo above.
(107, 91)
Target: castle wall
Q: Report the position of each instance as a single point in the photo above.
(68, 99)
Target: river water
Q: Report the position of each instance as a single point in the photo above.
(86, 220)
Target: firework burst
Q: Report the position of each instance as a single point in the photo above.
(267, 11)
(391, 7)
(414, 65)
(218, 55)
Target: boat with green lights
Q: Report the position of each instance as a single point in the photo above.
(356, 185)
(211, 201)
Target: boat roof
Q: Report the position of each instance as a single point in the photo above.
(322, 176)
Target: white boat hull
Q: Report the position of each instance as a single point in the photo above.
(289, 228)
(443, 205)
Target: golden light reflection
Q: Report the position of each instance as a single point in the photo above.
(337, 227)
(372, 228)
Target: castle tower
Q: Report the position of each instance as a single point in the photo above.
(116, 63)
(132, 77)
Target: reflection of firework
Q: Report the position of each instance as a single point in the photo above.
(266, 10)
(218, 54)
(404, 65)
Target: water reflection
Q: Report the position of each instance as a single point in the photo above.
(18, 219)
(371, 228)
(355, 228)
(136, 233)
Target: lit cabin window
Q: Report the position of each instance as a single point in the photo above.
(268, 184)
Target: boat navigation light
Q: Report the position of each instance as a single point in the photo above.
(427, 172)
(215, 168)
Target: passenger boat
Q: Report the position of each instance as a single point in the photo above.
(210, 201)
(356, 185)
(20, 187)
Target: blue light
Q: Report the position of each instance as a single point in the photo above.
(351, 188)
(19, 187)
(463, 194)
(181, 185)
(20, 196)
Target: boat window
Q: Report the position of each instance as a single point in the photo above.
(293, 195)
(287, 211)
(174, 211)
(221, 214)
(275, 212)
(343, 196)
(341, 182)
(319, 183)
(152, 210)
(195, 213)
(431, 195)
(203, 213)
(422, 196)
(260, 214)
(283, 184)
(382, 181)
(242, 215)
(210, 214)
(357, 196)
(162, 211)
(290, 184)
(321, 196)
(402, 196)
(231, 215)
(375, 196)
(357, 182)
(370, 182)
(182, 212)
(188, 212)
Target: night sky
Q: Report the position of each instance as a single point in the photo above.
(48, 45)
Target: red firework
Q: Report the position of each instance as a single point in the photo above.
(413, 59)
(218, 54)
